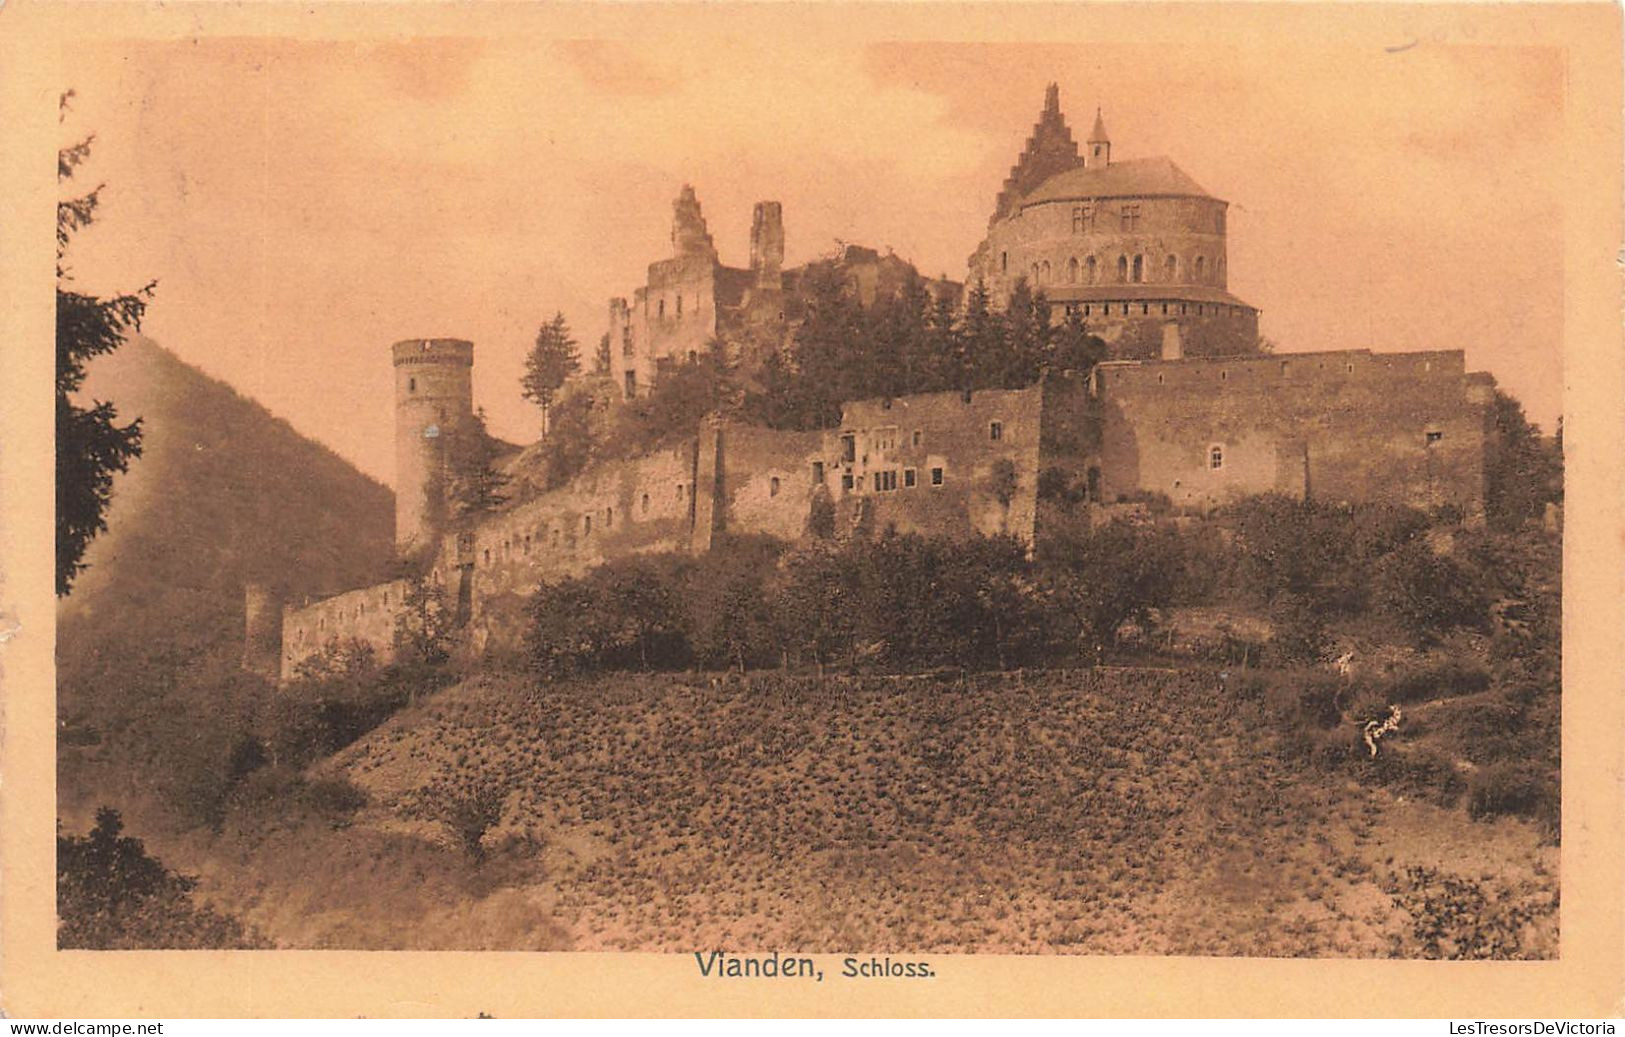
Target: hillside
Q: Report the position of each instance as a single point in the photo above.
(224, 492)
(1095, 812)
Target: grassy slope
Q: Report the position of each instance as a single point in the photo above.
(1104, 813)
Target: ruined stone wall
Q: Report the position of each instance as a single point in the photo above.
(974, 459)
(765, 481)
(1345, 426)
(367, 615)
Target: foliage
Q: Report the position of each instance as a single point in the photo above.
(425, 627)
(1523, 472)
(550, 362)
(1113, 574)
(112, 895)
(1428, 594)
(1512, 787)
(475, 485)
(729, 621)
(468, 810)
(1455, 918)
(622, 615)
(569, 443)
(91, 445)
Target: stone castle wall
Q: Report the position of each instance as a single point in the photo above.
(367, 614)
(1343, 426)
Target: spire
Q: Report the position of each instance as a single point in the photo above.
(1052, 99)
(1100, 145)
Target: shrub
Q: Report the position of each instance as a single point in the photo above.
(1516, 788)
(1454, 918)
(1437, 680)
(112, 895)
(1427, 595)
(468, 810)
(1300, 630)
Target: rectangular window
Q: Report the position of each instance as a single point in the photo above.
(885, 438)
(936, 477)
(586, 524)
(995, 430)
(818, 471)
(849, 448)
(846, 482)
(919, 437)
(1131, 216)
(886, 482)
(910, 478)
(1433, 437)
(773, 486)
(631, 383)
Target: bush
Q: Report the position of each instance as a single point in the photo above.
(1437, 680)
(1516, 788)
(112, 895)
(1454, 918)
(1427, 595)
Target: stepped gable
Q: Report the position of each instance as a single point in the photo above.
(1050, 150)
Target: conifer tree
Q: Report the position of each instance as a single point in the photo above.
(551, 361)
(91, 444)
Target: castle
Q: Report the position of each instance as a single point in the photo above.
(1187, 408)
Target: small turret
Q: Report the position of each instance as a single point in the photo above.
(262, 631)
(1100, 145)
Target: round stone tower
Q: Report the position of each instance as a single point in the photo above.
(262, 631)
(434, 395)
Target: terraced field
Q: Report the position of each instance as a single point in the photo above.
(1100, 812)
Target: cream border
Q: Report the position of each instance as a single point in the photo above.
(1588, 980)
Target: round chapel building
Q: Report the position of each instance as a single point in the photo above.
(1136, 247)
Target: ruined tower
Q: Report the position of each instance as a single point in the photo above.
(767, 245)
(262, 631)
(689, 236)
(434, 396)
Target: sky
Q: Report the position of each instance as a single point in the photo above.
(303, 204)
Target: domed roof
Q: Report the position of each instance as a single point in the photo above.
(1135, 178)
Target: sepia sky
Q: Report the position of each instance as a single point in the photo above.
(304, 204)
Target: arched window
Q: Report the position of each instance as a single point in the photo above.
(1035, 273)
(1201, 268)
(679, 305)
(1139, 269)
(645, 503)
(1043, 275)
(1004, 262)
(1090, 263)
(1215, 456)
(411, 385)
(1072, 270)
(1170, 268)
(660, 310)
(1122, 269)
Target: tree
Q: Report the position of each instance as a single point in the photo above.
(476, 486)
(551, 361)
(91, 445)
(600, 359)
(1524, 471)
(425, 625)
(111, 895)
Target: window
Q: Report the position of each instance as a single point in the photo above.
(886, 481)
(1201, 268)
(644, 504)
(586, 525)
(609, 517)
(488, 556)
(679, 305)
(995, 430)
(660, 310)
(885, 438)
(679, 491)
(1215, 456)
(1083, 218)
(1043, 276)
(1131, 216)
(1122, 269)
(936, 477)
(910, 478)
(918, 437)
(1432, 437)
(773, 486)
(1139, 269)
(1170, 268)
(818, 472)
(527, 544)
(1089, 266)
(849, 448)
(1004, 262)
(846, 482)
(626, 342)
(411, 385)
(631, 383)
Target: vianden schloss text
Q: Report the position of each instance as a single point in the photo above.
(722, 965)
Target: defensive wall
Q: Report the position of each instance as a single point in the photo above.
(1354, 426)
(1409, 428)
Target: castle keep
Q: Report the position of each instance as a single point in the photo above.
(1187, 408)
